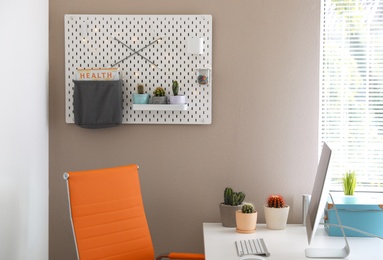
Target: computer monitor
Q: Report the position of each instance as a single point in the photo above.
(315, 211)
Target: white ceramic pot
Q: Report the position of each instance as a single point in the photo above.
(276, 218)
(180, 99)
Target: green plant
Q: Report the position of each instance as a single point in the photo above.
(349, 183)
(175, 87)
(233, 198)
(140, 89)
(275, 201)
(248, 208)
(159, 92)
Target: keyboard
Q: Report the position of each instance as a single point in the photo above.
(255, 246)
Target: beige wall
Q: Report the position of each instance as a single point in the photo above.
(263, 138)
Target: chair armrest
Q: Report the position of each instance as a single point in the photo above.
(175, 255)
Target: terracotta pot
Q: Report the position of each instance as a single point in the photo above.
(276, 218)
(246, 222)
(227, 213)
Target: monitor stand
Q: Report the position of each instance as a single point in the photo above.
(330, 252)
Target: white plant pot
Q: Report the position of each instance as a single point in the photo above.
(276, 218)
(180, 99)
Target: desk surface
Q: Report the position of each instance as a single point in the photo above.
(289, 244)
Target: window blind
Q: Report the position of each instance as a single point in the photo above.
(351, 90)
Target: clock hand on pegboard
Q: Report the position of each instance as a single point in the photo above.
(137, 52)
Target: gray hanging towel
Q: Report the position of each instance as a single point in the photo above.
(97, 104)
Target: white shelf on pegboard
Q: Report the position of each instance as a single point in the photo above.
(161, 107)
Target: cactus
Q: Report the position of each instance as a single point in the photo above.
(228, 193)
(233, 198)
(175, 87)
(159, 92)
(248, 208)
(275, 201)
(238, 198)
(140, 89)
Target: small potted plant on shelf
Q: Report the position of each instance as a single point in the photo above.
(159, 96)
(349, 183)
(176, 98)
(246, 218)
(276, 212)
(140, 97)
(232, 202)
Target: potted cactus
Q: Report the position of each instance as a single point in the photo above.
(232, 201)
(349, 183)
(276, 212)
(176, 98)
(159, 96)
(140, 97)
(246, 219)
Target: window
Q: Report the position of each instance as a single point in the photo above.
(351, 90)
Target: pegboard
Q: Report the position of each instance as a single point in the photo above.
(104, 41)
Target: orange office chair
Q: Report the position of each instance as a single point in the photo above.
(108, 217)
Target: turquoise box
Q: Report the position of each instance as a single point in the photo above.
(363, 212)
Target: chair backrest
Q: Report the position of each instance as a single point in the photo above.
(107, 214)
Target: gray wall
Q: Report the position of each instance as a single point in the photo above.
(263, 138)
(24, 130)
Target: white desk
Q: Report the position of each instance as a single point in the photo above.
(288, 244)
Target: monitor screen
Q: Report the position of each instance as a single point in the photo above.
(319, 193)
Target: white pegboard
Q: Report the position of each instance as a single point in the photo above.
(90, 42)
